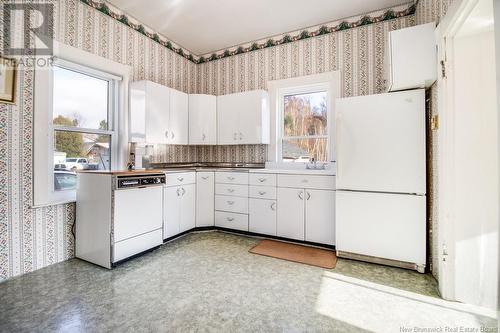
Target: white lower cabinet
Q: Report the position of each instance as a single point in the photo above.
(290, 216)
(205, 199)
(171, 212)
(262, 216)
(179, 203)
(306, 214)
(320, 216)
(188, 207)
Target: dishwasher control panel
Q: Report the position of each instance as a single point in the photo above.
(139, 181)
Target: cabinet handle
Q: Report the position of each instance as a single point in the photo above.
(231, 202)
(203, 136)
(241, 136)
(308, 195)
(230, 219)
(305, 180)
(301, 195)
(262, 180)
(180, 179)
(166, 134)
(273, 206)
(235, 136)
(178, 194)
(204, 177)
(230, 190)
(173, 135)
(183, 191)
(262, 192)
(230, 178)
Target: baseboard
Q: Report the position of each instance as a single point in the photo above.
(250, 234)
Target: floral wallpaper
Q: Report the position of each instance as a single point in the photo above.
(358, 53)
(34, 237)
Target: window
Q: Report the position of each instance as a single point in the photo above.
(305, 127)
(303, 119)
(76, 121)
(82, 122)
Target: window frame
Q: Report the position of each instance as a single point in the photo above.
(112, 120)
(278, 89)
(118, 76)
(303, 90)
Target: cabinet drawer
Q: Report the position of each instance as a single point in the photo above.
(231, 204)
(232, 190)
(262, 179)
(231, 221)
(231, 178)
(307, 181)
(181, 178)
(262, 192)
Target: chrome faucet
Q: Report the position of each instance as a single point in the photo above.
(312, 165)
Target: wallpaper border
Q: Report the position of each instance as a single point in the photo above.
(345, 24)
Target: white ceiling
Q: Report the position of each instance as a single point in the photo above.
(204, 26)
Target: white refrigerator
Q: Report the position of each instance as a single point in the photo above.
(381, 178)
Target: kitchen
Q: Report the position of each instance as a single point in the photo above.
(215, 179)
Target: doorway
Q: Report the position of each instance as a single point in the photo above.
(468, 160)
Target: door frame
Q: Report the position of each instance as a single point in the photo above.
(450, 25)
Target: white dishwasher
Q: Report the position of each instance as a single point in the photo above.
(118, 215)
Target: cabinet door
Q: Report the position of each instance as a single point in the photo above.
(253, 117)
(262, 218)
(179, 118)
(157, 112)
(290, 217)
(188, 207)
(227, 119)
(320, 216)
(202, 120)
(205, 199)
(171, 211)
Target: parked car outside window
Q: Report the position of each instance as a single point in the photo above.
(64, 180)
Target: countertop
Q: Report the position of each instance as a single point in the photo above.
(123, 172)
(187, 168)
(319, 172)
(327, 172)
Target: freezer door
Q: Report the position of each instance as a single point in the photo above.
(389, 226)
(381, 142)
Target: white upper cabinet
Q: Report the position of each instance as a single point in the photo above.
(243, 118)
(202, 119)
(411, 58)
(158, 114)
(149, 112)
(178, 128)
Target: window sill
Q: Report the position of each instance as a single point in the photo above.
(55, 203)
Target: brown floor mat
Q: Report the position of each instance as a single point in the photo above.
(297, 253)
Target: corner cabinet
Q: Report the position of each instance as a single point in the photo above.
(149, 112)
(243, 118)
(205, 198)
(158, 114)
(202, 119)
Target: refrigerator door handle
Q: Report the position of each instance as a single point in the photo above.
(337, 141)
